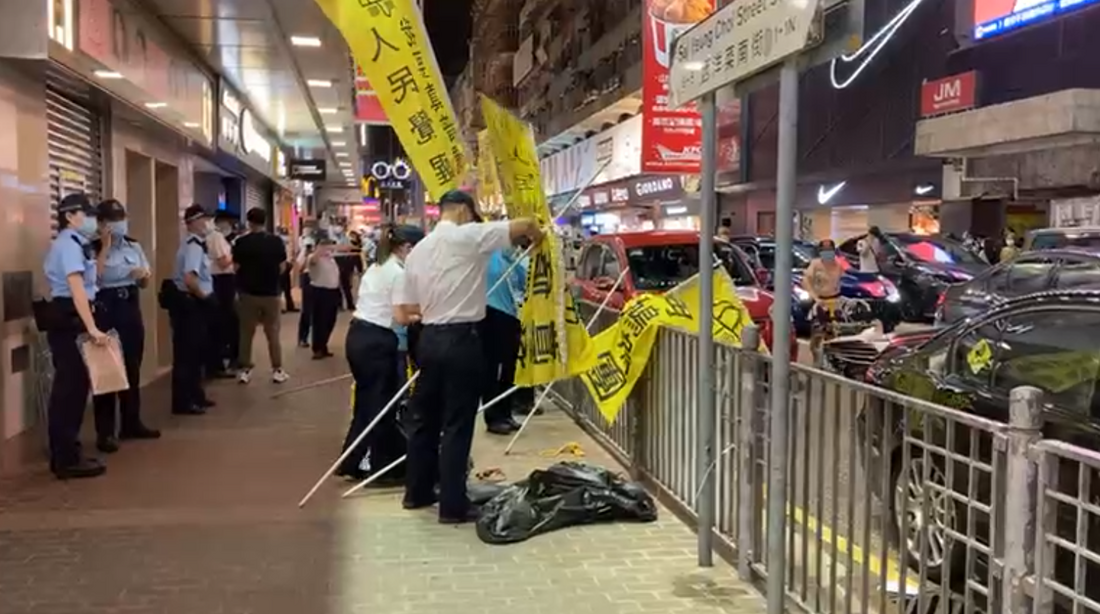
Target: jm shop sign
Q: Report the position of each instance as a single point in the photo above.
(949, 95)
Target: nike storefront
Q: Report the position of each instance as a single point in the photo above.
(843, 209)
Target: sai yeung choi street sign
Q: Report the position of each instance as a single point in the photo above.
(736, 42)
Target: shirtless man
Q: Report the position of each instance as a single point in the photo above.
(822, 281)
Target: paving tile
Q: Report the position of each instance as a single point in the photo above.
(205, 521)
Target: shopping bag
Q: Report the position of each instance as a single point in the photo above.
(106, 368)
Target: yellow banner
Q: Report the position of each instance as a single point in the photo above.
(513, 146)
(488, 187)
(617, 357)
(391, 46)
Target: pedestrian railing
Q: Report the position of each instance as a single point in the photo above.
(891, 503)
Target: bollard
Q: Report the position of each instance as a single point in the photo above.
(1025, 429)
(746, 425)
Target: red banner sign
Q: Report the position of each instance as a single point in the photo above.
(368, 110)
(671, 138)
(949, 95)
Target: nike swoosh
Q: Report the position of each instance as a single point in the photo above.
(922, 190)
(824, 196)
(854, 64)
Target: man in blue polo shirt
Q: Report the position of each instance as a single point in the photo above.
(501, 337)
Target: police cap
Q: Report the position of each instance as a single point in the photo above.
(77, 201)
(111, 210)
(194, 212)
(406, 233)
(458, 197)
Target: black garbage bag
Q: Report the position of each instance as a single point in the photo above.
(563, 495)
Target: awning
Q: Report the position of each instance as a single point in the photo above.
(1061, 119)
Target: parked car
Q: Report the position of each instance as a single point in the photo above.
(1050, 341)
(1057, 238)
(659, 260)
(852, 355)
(1028, 273)
(921, 267)
(875, 289)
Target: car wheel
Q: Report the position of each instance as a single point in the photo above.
(931, 521)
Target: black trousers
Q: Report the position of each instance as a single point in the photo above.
(347, 266)
(120, 309)
(305, 318)
(225, 339)
(500, 334)
(372, 352)
(285, 283)
(441, 415)
(326, 305)
(68, 396)
(188, 351)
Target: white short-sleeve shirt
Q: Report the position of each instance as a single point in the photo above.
(445, 274)
(377, 290)
(218, 247)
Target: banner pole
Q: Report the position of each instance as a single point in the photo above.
(549, 386)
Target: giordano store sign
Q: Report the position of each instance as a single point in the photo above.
(240, 134)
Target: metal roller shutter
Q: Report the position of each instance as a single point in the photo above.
(254, 197)
(74, 146)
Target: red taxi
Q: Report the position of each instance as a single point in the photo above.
(659, 260)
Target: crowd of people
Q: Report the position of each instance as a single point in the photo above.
(446, 304)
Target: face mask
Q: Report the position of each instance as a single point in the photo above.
(828, 255)
(88, 227)
(120, 228)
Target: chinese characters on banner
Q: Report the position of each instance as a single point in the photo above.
(552, 336)
(617, 356)
(390, 44)
(671, 137)
(488, 186)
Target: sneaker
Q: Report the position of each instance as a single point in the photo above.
(244, 376)
(279, 376)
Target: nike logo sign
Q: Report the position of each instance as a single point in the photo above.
(924, 189)
(844, 70)
(824, 196)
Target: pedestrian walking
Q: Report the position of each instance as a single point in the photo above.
(445, 284)
(500, 333)
(190, 310)
(123, 272)
(70, 269)
(223, 324)
(285, 280)
(305, 318)
(324, 281)
(260, 258)
(373, 350)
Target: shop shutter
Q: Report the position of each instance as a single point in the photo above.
(254, 197)
(74, 146)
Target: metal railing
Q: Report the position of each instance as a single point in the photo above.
(892, 503)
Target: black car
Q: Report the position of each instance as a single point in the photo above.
(1028, 273)
(921, 267)
(1050, 341)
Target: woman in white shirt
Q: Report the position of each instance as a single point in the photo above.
(372, 353)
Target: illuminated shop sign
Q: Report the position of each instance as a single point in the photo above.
(251, 140)
(993, 17)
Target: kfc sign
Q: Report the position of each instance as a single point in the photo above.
(949, 95)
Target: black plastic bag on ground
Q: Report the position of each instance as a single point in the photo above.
(563, 495)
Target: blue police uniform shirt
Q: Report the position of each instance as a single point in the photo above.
(192, 258)
(503, 297)
(123, 257)
(70, 253)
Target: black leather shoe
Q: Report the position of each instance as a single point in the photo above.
(416, 505)
(107, 445)
(515, 424)
(85, 468)
(501, 428)
(194, 410)
(140, 432)
(470, 516)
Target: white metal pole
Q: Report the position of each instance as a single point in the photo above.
(705, 454)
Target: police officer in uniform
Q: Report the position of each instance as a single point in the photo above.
(70, 269)
(191, 312)
(445, 288)
(123, 270)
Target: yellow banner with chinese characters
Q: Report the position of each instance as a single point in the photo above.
(513, 146)
(391, 47)
(617, 357)
(488, 186)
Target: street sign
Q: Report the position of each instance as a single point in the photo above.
(737, 41)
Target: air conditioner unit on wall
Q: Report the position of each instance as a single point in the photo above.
(953, 172)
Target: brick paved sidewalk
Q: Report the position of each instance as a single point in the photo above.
(204, 522)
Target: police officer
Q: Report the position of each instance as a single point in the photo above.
(190, 313)
(123, 270)
(70, 269)
(445, 288)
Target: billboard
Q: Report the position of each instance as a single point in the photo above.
(671, 138)
(993, 17)
(949, 95)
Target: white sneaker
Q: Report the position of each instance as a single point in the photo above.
(244, 376)
(279, 376)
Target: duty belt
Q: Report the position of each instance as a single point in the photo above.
(124, 293)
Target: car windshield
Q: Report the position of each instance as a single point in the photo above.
(803, 254)
(937, 250)
(657, 268)
(1058, 240)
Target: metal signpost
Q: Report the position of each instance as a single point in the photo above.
(738, 41)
